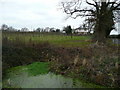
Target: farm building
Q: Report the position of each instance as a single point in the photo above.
(81, 32)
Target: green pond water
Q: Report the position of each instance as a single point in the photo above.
(31, 76)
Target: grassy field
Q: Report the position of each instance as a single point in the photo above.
(54, 39)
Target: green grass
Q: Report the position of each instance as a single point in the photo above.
(38, 68)
(59, 40)
(32, 69)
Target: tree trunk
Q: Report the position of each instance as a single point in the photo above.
(100, 35)
(104, 24)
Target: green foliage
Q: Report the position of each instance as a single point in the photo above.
(68, 30)
(57, 30)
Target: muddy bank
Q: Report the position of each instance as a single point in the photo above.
(96, 63)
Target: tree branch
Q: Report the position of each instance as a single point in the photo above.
(90, 3)
(118, 5)
(114, 7)
(81, 15)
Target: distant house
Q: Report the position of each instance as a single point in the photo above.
(115, 36)
(63, 32)
(80, 31)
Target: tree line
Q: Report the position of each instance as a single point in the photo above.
(5, 27)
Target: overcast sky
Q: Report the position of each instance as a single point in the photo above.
(35, 13)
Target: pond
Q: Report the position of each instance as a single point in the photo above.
(49, 80)
(20, 77)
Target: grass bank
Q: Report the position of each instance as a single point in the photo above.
(40, 69)
(33, 69)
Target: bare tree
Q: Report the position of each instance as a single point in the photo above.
(101, 10)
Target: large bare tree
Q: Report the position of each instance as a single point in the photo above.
(103, 12)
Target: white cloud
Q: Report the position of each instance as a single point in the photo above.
(34, 13)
